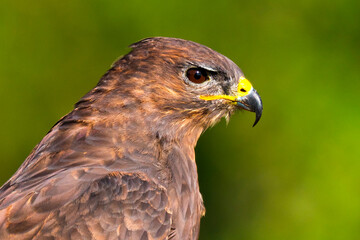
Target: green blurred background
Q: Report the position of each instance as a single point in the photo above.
(294, 176)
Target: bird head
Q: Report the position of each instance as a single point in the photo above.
(179, 84)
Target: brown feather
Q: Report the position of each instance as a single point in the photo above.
(121, 165)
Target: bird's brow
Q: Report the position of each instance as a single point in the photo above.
(204, 66)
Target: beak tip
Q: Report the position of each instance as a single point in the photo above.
(257, 118)
(257, 107)
(252, 103)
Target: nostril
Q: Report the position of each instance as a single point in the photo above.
(242, 90)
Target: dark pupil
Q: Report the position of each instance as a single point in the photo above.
(197, 75)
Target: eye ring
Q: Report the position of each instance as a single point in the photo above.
(197, 75)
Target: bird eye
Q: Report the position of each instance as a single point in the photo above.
(197, 75)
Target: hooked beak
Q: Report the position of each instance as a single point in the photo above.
(251, 102)
(246, 98)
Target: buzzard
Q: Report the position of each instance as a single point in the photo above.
(121, 164)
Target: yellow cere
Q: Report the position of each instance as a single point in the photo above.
(244, 88)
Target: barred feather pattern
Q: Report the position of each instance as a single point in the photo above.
(121, 165)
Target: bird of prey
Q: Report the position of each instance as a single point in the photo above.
(121, 164)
